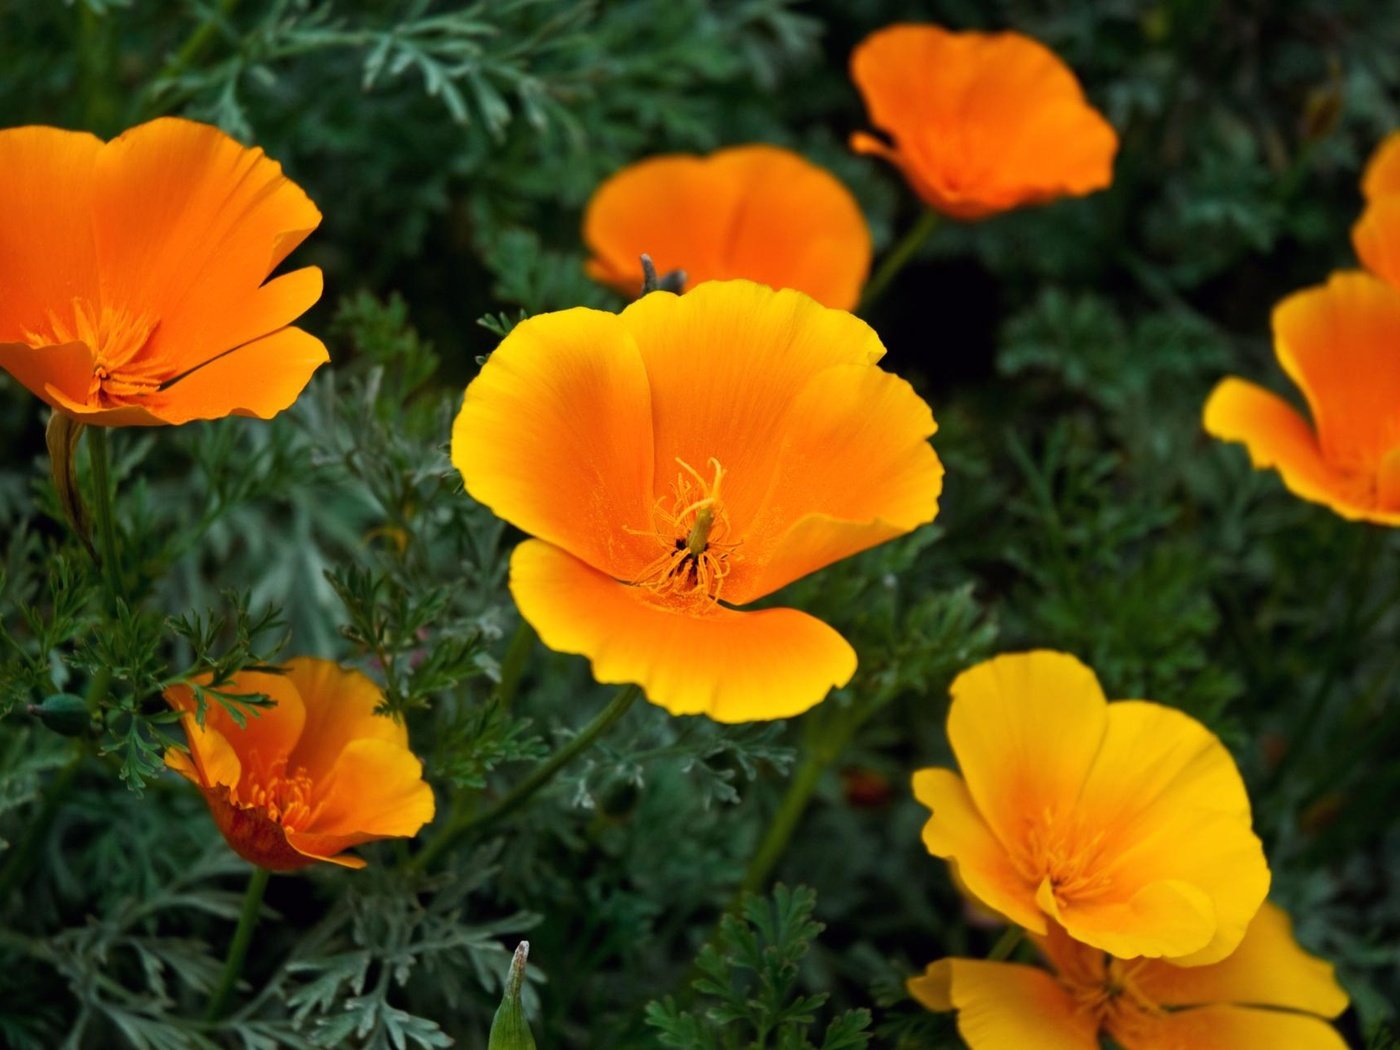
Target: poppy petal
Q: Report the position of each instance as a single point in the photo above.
(1383, 169)
(1232, 1028)
(733, 666)
(374, 790)
(189, 224)
(555, 436)
(66, 367)
(1003, 1006)
(340, 707)
(259, 379)
(270, 732)
(956, 832)
(1169, 917)
(1376, 237)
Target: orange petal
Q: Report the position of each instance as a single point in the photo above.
(757, 212)
(981, 122)
(1231, 1028)
(1003, 1006)
(47, 254)
(726, 363)
(1267, 969)
(1277, 436)
(1383, 169)
(340, 707)
(555, 436)
(957, 832)
(732, 666)
(1341, 344)
(855, 470)
(189, 224)
(271, 732)
(1026, 728)
(66, 367)
(253, 835)
(1376, 237)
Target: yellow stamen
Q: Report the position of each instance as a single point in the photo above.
(695, 560)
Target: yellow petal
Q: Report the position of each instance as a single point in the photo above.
(956, 832)
(1269, 968)
(340, 707)
(1167, 917)
(555, 436)
(1232, 1028)
(733, 666)
(1003, 1006)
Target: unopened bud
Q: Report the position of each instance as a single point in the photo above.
(510, 1030)
(63, 713)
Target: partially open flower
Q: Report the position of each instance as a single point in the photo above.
(1126, 823)
(1340, 344)
(686, 456)
(1376, 235)
(1268, 994)
(758, 212)
(308, 778)
(133, 274)
(980, 122)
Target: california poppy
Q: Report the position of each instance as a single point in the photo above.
(1376, 234)
(134, 274)
(1340, 344)
(692, 454)
(308, 778)
(758, 212)
(980, 123)
(1126, 823)
(1267, 993)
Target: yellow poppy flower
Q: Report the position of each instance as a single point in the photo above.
(1268, 993)
(692, 454)
(1126, 823)
(308, 778)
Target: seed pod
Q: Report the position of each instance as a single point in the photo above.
(63, 713)
(510, 1030)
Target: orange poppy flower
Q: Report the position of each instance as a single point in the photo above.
(980, 122)
(134, 274)
(1377, 234)
(1268, 993)
(304, 780)
(1126, 823)
(757, 212)
(692, 454)
(1340, 344)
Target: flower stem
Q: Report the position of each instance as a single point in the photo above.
(238, 947)
(102, 508)
(542, 775)
(899, 255)
(1006, 944)
(522, 644)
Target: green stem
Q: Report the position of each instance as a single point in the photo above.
(784, 823)
(238, 947)
(190, 51)
(542, 775)
(1006, 944)
(899, 255)
(102, 506)
(517, 657)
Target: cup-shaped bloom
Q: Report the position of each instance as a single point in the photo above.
(1268, 993)
(1126, 823)
(308, 778)
(692, 454)
(761, 213)
(1376, 234)
(980, 123)
(135, 274)
(1340, 344)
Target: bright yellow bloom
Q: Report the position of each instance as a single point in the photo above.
(312, 776)
(1340, 344)
(1126, 823)
(692, 454)
(1268, 995)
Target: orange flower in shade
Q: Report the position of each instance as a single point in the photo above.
(304, 780)
(1377, 234)
(1268, 994)
(1126, 823)
(757, 212)
(1340, 344)
(980, 122)
(133, 274)
(692, 454)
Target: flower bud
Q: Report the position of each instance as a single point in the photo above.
(510, 1030)
(63, 713)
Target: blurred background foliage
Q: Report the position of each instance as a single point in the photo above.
(1066, 352)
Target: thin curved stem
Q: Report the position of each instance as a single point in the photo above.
(1006, 944)
(102, 510)
(238, 947)
(541, 775)
(899, 255)
(517, 657)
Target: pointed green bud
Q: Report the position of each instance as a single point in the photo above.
(510, 1030)
(63, 713)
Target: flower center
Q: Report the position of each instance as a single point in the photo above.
(1061, 856)
(694, 558)
(1114, 999)
(284, 798)
(116, 338)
